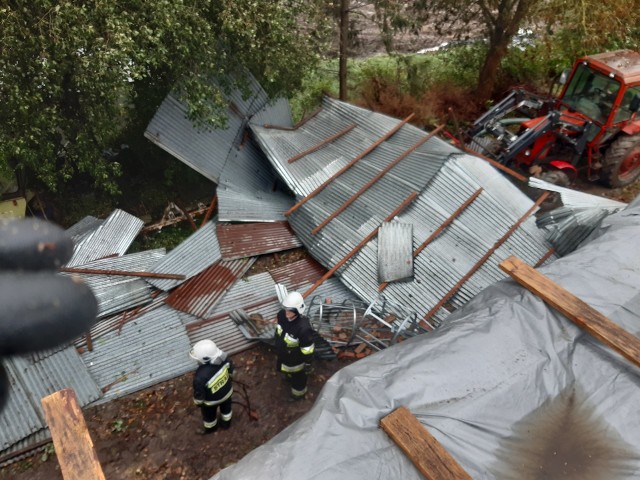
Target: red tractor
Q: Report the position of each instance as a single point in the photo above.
(594, 117)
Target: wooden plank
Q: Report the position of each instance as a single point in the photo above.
(586, 317)
(426, 453)
(74, 448)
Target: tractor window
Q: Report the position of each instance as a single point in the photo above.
(591, 93)
(624, 112)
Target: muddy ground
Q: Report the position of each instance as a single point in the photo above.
(153, 434)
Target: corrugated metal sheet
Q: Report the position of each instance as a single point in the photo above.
(441, 268)
(112, 238)
(78, 231)
(248, 187)
(31, 381)
(568, 227)
(297, 274)
(116, 293)
(199, 295)
(575, 199)
(19, 418)
(246, 240)
(306, 174)
(116, 322)
(395, 251)
(191, 257)
(150, 349)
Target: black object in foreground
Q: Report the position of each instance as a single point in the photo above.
(40, 308)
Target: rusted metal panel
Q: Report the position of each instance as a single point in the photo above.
(200, 295)
(395, 251)
(298, 274)
(251, 239)
(191, 257)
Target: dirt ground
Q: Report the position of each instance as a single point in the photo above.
(153, 434)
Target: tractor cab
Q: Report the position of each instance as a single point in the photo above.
(594, 119)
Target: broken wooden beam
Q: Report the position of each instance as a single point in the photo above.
(425, 452)
(579, 312)
(97, 271)
(73, 445)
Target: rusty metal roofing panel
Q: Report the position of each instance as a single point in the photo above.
(34, 377)
(395, 251)
(297, 274)
(149, 349)
(199, 295)
(255, 293)
(192, 256)
(112, 238)
(251, 239)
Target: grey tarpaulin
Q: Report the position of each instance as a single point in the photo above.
(511, 388)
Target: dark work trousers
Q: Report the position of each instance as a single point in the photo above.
(298, 381)
(210, 414)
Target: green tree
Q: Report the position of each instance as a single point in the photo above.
(496, 20)
(75, 76)
(576, 27)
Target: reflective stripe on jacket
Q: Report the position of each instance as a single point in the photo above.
(294, 342)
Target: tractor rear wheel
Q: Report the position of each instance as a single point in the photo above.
(621, 163)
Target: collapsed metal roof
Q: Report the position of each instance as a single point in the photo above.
(144, 333)
(353, 170)
(247, 185)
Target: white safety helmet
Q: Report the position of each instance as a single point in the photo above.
(294, 301)
(205, 351)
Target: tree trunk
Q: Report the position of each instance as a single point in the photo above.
(489, 71)
(502, 21)
(344, 40)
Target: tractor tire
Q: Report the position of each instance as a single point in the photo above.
(621, 163)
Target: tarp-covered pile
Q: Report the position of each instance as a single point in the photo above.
(511, 388)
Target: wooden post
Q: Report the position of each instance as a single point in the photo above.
(586, 317)
(424, 451)
(74, 448)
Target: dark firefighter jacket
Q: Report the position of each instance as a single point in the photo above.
(212, 382)
(294, 342)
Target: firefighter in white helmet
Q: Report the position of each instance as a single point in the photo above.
(212, 387)
(294, 344)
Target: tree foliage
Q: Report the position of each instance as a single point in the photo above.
(577, 27)
(75, 76)
(497, 21)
